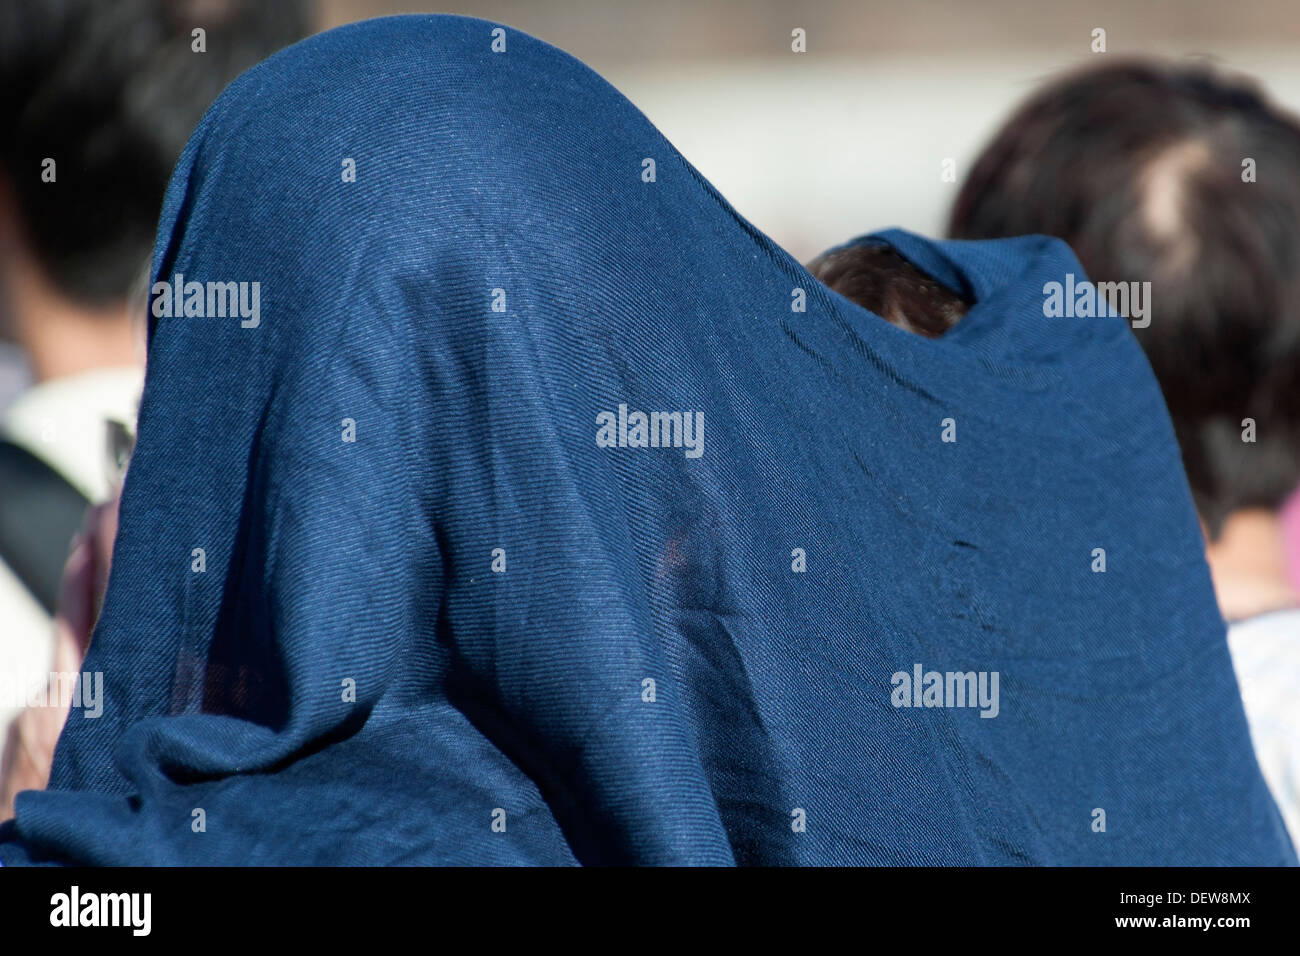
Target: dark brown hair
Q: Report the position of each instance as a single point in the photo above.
(880, 280)
(1145, 169)
(113, 90)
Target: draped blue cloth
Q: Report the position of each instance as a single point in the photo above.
(384, 592)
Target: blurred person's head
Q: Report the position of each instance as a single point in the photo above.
(1175, 175)
(880, 280)
(110, 92)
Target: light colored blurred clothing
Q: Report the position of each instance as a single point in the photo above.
(1266, 656)
(28, 746)
(64, 422)
(26, 641)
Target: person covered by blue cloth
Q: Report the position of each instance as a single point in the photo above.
(501, 495)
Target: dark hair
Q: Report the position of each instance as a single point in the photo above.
(1141, 168)
(111, 91)
(877, 278)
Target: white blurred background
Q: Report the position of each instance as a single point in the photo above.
(850, 136)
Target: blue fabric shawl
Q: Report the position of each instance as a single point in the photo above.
(501, 626)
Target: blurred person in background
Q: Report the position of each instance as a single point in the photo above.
(97, 100)
(1176, 175)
